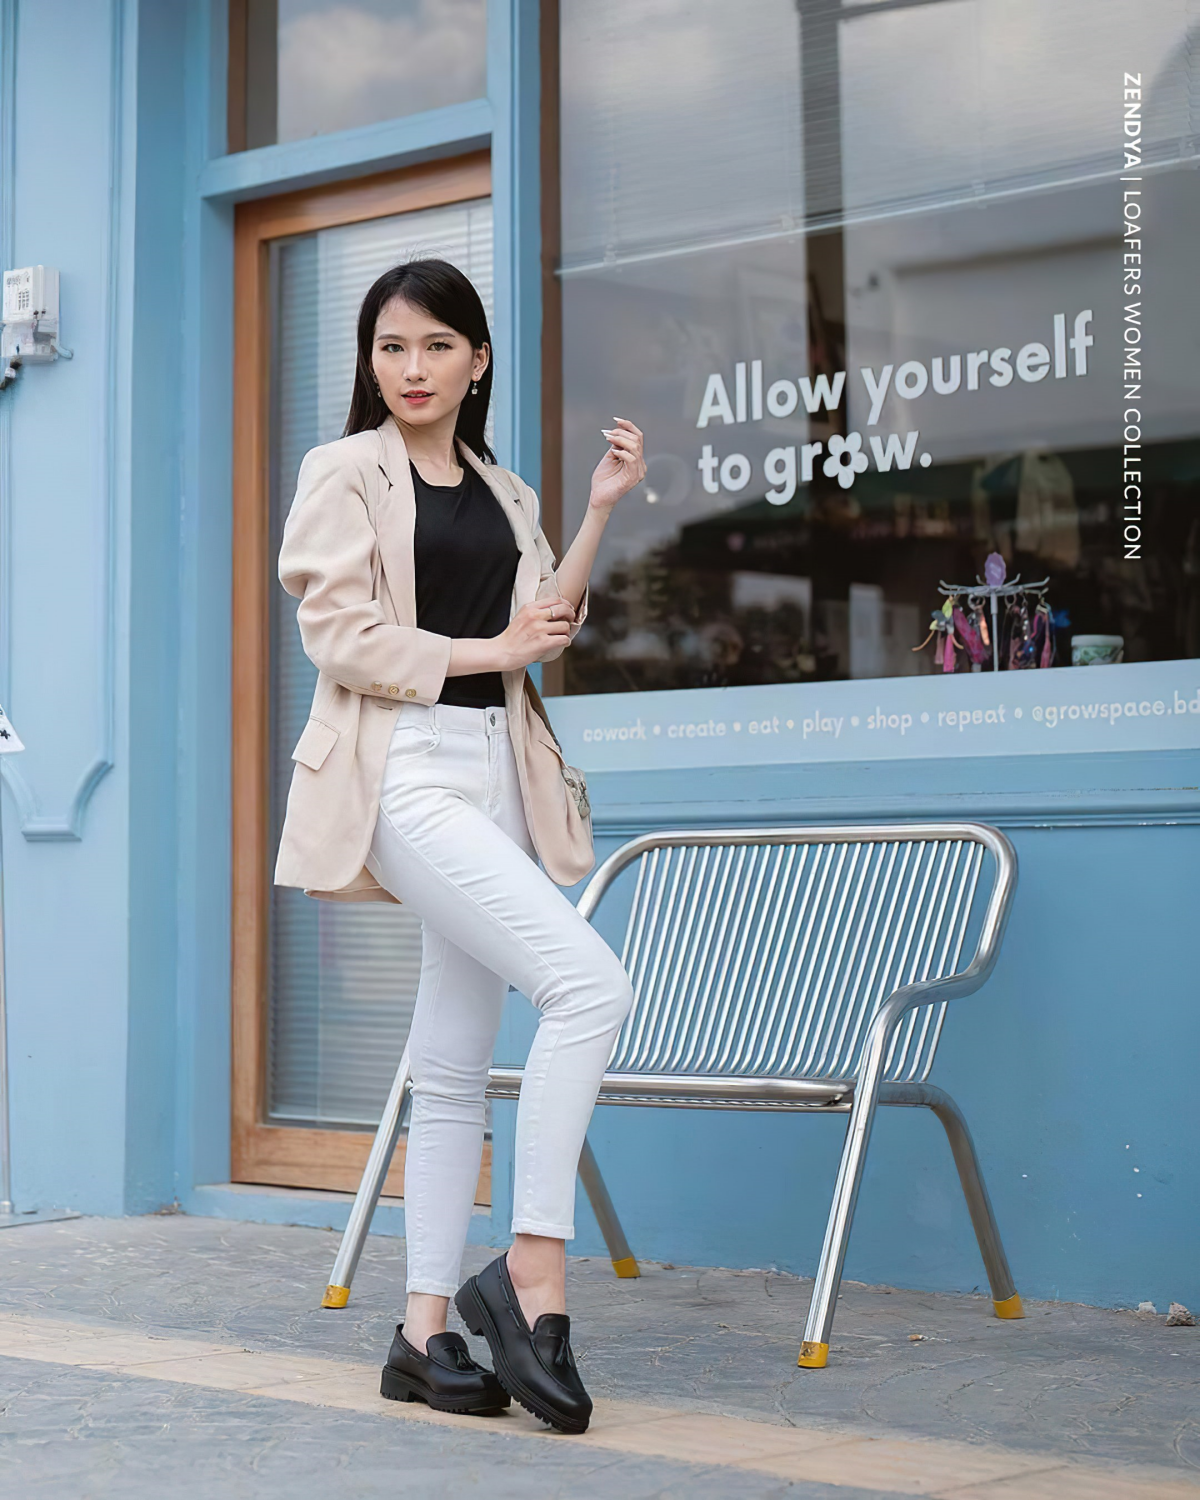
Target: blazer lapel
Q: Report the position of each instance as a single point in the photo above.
(395, 522)
(529, 568)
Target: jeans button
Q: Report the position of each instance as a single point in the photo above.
(493, 718)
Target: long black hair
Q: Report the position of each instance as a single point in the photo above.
(442, 291)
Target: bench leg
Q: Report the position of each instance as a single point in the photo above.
(606, 1215)
(337, 1293)
(1005, 1297)
(814, 1351)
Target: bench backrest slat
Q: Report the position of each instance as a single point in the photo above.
(769, 958)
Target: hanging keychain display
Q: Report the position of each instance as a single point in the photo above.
(941, 632)
(969, 626)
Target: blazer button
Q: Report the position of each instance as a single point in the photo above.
(394, 690)
(377, 687)
(410, 692)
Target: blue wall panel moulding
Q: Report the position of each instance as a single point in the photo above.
(36, 487)
(68, 167)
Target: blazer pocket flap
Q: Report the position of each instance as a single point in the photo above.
(314, 744)
(547, 738)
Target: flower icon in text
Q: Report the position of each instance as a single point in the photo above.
(846, 458)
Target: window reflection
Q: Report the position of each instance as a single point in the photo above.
(806, 190)
(308, 67)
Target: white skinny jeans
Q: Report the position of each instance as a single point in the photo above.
(451, 842)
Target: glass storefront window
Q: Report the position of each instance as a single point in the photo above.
(862, 274)
(299, 68)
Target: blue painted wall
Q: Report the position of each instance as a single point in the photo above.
(90, 495)
(65, 493)
(1075, 1065)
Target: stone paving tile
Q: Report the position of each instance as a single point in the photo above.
(89, 1435)
(1082, 1382)
(938, 1469)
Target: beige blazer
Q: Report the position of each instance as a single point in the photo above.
(347, 554)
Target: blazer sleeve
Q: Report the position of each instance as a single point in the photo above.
(328, 561)
(548, 587)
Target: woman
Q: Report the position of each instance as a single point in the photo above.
(426, 589)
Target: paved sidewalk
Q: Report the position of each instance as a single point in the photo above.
(170, 1356)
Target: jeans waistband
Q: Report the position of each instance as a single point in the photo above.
(453, 716)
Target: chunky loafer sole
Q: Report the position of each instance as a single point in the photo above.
(474, 1312)
(397, 1386)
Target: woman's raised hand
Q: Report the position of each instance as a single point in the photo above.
(622, 466)
(535, 629)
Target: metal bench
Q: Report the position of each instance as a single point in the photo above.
(785, 969)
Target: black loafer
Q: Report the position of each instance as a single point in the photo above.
(536, 1366)
(446, 1377)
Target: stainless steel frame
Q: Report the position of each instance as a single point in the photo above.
(383, 1147)
(785, 968)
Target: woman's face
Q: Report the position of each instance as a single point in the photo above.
(423, 367)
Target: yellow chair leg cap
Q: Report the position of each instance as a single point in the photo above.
(626, 1267)
(335, 1296)
(813, 1356)
(1010, 1307)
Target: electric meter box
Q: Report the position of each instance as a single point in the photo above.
(30, 313)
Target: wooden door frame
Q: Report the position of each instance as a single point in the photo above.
(286, 1155)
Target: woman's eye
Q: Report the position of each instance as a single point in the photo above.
(393, 348)
(439, 344)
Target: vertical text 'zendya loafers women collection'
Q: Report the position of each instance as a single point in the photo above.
(535, 1365)
(445, 1377)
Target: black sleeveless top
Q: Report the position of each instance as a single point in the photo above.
(465, 557)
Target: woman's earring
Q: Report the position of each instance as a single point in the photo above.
(474, 388)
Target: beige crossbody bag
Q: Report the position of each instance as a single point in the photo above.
(559, 797)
